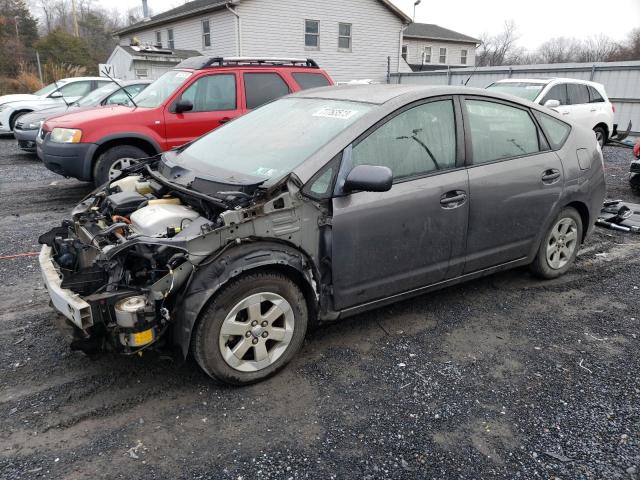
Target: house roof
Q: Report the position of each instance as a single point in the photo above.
(196, 7)
(175, 54)
(435, 32)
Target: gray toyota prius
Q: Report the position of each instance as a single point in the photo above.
(315, 207)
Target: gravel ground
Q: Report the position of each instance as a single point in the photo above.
(505, 377)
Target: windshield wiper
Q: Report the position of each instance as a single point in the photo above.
(122, 88)
(55, 82)
(179, 188)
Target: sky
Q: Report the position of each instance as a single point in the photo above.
(536, 21)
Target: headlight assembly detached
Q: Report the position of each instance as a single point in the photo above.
(66, 135)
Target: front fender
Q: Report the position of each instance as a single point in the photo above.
(208, 280)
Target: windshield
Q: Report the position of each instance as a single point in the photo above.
(94, 98)
(272, 140)
(526, 90)
(47, 90)
(156, 93)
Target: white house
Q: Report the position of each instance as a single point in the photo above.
(430, 47)
(350, 39)
(132, 62)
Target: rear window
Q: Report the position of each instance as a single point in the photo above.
(594, 95)
(261, 88)
(555, 130)
(311, 80)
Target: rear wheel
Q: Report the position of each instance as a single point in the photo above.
(252, 329)
(111, 163)
(559, 246)
(601, 135)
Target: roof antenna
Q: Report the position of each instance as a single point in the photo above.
(472, 73)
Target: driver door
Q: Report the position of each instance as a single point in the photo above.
(413, 235)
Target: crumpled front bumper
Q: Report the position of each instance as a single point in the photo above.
(68, 303)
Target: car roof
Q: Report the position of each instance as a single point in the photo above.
(380, 94)
(77, 79)
(546, 81)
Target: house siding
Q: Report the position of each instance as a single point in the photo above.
(276, 28)
(121, 62)
(416, 47)
(187, 34)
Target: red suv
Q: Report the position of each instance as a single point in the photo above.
(199, 95)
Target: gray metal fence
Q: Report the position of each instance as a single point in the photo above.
(621, 80)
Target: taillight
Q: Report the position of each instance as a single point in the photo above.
(613, 107)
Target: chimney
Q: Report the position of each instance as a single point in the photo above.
(145, 9)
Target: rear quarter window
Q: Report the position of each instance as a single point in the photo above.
(555, 130)
(261, 88)
(310, 80)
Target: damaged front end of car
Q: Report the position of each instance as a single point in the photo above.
(121, 268)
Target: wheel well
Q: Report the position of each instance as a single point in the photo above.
(15, 115)
(604, 127)
(584, 215)
(141, 143)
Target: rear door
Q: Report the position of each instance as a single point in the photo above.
(515, 182)
(263, 87)
(215, 101)
(409, 237)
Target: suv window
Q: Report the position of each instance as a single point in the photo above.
(212, 93)
(261, 88)
(578, 94)
(76, 89)
(310, 80)
(594, 95)
(415, 142)
(121, 98)
(555, 130)
(500, 131)
(557, 92)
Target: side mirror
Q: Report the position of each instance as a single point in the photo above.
(56, 95)
(369, 178)
(182, 106)
(552, 104)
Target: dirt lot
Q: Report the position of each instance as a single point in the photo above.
(506, 377)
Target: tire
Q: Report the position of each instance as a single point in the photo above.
(601, 135)
(102, 172)
(560, 245)
(634, 183)
(14, 118)
(247, 332)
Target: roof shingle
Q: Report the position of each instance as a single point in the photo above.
(436, 32)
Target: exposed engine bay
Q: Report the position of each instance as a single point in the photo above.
(118, 267)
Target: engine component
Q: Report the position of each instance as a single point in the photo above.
(127, 310)
(155, 219)
(133, 313)
(125, 203)
(133, 183)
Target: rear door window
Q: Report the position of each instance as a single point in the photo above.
(500, 131)
(310, 80)
(261, 88)
(578, 94)
(594, 95)
(212, 93)
(557, 92)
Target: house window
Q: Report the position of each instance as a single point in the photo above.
(159, 39)
(443, 55)
(206, 33)
(141, 73)
(463, 57)
(312, 34)
(170, 42)
(405, 52)
(344, 37)
(426, 55)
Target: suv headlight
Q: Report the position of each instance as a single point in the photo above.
(66, 135)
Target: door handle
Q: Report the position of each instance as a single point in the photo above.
(550, 176)
(224, 120)
(453, 199)
(593, 110)
(565, 113)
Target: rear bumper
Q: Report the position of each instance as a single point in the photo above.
(68, 159)
(64, 301)
(26, 139)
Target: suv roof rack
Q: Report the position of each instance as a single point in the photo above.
(199, 63)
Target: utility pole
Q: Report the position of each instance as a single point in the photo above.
(16, 18)
(416, 3)
(76, 33)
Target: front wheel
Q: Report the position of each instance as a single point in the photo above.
(559, 246)
(111, 163)
(252, 329)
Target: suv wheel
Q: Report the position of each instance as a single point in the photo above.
(601, 135)
(111, 162)
(252, 329)
(560, 245)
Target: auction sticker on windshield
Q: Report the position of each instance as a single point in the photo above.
(341, 113)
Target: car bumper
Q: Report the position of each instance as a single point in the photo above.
(26, 139)
(64, 301)
(67, 159)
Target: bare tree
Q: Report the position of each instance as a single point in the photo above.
(598, 48)
(498, 49)
(559, 50)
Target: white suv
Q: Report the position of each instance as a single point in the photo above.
(581, 101)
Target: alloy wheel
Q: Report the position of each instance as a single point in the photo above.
(562, 243)
(116, 169)
(256, 332)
